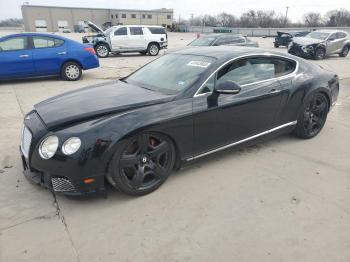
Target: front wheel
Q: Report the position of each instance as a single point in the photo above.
(71, 71)
(142, 163)
(344, 52)
(320, 54)
(153, 49)
(102, 50)
(313, 117)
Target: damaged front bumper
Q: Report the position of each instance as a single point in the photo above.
(301, 50)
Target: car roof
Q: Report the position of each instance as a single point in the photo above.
(328, 31)
(35, 34)
(221, 34)
(155, 26)
(229, 52)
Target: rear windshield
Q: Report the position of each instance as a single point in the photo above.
(157, 30)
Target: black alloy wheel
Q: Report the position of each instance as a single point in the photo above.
(142, 164)
(344, 52)
(314, 116)
(320, 54)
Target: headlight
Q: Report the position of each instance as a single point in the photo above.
(71, 145)
(48, 147)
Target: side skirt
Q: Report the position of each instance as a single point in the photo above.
(243, 140)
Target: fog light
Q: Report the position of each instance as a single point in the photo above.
(71, 145)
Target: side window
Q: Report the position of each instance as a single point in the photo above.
(46, 42)
(121, 31)
(332, 37)
(341, 35)
(221, 41)
(14, 43)
(136, 31)
(267, 68)
(208, 87)
(240, 72)
(156, 30)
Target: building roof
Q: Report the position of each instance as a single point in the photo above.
(160, 10)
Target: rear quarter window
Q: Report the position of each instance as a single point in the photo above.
(156, 30)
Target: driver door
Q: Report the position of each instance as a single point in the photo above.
(120, 39)
(221, 119)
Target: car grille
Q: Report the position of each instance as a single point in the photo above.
(26, 141)
(62, 184)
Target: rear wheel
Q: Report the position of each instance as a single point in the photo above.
(344, 52)
(313, 117)
(320, 54)
(153, 49)
(102, 50)
(71, 71)
(142, 164)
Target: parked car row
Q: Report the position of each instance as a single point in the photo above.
(218, 92)
(316, 45)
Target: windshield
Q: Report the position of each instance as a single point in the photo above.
(203, 41)
(318, 35)
(172, 73)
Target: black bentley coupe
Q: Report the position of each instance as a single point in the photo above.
(182, 106)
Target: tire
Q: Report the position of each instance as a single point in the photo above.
(313, 116)
(102, 50)
(71, 71)
(142, 164)
(153, 49)
(320, 54)
(344, 52)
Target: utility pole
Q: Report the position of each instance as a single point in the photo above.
(285, 20)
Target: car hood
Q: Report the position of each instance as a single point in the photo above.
(94, 27)
(98, 100)
(306, 40)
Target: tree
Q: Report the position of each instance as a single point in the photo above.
(313, 19)
(11, 22)
(337, 18)
(226, 20)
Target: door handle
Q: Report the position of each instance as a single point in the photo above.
(275, 91)
(62, 53)
(24, 56)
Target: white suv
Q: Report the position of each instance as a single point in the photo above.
(127, 38)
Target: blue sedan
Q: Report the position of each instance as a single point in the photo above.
(38, 54)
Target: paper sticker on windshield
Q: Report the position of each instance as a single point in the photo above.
(199, 64)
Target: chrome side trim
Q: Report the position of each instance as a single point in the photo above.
(258, 82)
(243, 140)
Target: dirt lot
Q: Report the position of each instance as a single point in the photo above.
(284, 200)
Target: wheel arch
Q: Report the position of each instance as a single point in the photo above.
(153, 42)
(134, 133)
(71, 60)
(102, 43)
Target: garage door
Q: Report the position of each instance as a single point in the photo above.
(40, 25)
(62, 24)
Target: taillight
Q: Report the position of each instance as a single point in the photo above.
(90, 50)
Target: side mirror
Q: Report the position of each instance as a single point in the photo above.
(227, 87)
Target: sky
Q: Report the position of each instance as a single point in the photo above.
(185, 8)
